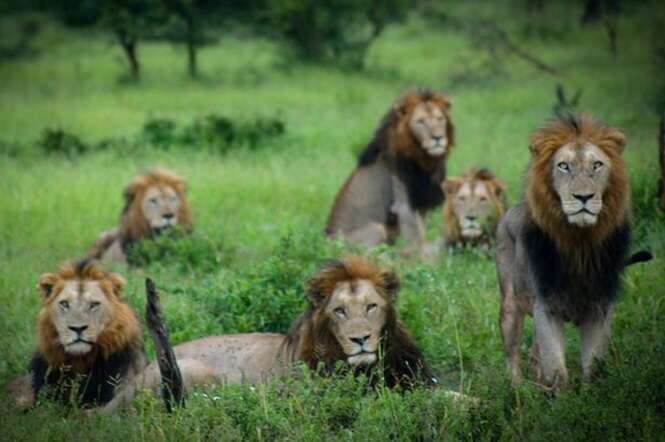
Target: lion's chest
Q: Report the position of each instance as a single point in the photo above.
(577, 287)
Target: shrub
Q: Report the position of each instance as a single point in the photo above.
(58, 141)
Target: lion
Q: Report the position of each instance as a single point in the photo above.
(398, 175)
(154, 202)
(474, 204)
(562, 250)
(89, 341)
(350, 319)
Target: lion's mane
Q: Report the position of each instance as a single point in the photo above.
(311, 340)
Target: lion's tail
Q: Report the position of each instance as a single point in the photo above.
(641, 256)
(173, 388)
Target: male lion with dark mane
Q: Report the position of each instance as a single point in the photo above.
(397, 179)
(475, 202)
(561, 252)
(154, 202)
(89, 341)
(351, 318)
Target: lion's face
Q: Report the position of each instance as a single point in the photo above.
(154, 202)
(580, 176)
(80, 312)
(475, 204)
(428, 124)
(357, 314)
(160, 207)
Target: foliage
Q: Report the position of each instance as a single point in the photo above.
(59, 141)
(214, 132)
(333, 30)
(188, 253)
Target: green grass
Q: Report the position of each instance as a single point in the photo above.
(259, 216)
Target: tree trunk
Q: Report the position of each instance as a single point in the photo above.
(593, 11)
(173, 388)
(191, 57)
(661, 148)
(129, 46)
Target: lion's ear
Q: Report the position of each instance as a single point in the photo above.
(46, 283)
(132, 190)
(450, 186)
(500, 188)
(391, 283)
(118, 282)
(617, 138)
(314, 291)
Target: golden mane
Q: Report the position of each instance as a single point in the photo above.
(543, 202)
(133, 225)
(124, 329)
(496, 189)
(394, 131)
(310, 339)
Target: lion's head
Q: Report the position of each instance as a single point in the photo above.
(154, 201)
(83, 312)
(577, 182)
(351, 318)
(474, 204)
(423, 124)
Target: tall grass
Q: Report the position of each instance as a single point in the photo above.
(259, 216)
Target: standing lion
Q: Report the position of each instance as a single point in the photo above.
(397, 179)
(561, 251)
(154, 202)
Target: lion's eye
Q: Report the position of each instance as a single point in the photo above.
(421, 121)
(461, 199)
(483, 199)
(563, 166)
(340, 311)
(153, 201)
(597, 165)
(94, 305)
(64, 305)
(174, 199)
(371, 307)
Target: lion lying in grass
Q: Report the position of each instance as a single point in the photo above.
(90, 347)
(154, 202)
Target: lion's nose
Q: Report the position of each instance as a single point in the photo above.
(584, 198)
(168, 216)
(437, 137)
(78, 330)
(471, 218)
(360, 340)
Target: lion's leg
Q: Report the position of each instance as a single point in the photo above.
(512, 324)
(551, 344)
(595, 334)
(411, 222)
(370, 235)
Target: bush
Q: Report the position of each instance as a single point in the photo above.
(58, 141)
(187, 252)
(215, 132)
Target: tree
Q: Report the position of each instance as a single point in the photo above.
(130, 21)
(332, 30)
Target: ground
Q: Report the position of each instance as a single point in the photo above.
(260, 212)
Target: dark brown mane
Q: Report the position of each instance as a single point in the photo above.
(311, 341)
(391, 135)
